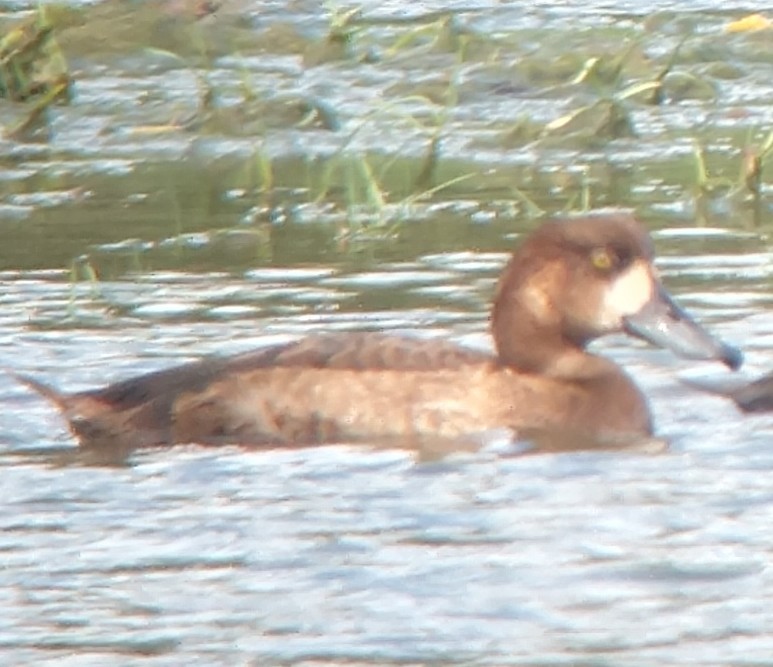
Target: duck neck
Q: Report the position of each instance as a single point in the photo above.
(531, 342)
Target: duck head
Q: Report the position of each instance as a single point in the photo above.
(577, 279)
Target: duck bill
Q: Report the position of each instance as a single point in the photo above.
(665, 324)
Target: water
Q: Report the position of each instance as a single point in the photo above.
(343, 555)
(127, 251)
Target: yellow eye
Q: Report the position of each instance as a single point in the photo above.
(602, 259)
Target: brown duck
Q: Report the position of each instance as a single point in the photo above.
(569, 282)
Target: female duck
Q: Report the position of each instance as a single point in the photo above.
(568, 283)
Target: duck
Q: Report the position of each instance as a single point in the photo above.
(749, 396)
(569, 282)
(756, 396)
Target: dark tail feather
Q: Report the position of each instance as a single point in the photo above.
(104, 442)
(56, 397)
(98, 424)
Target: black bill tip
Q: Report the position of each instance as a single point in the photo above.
(664, 323)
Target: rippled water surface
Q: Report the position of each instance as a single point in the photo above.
(343, 555)
(130, 244)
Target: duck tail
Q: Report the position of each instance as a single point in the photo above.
(94, 426)
(56, 397)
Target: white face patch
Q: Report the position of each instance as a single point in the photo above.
(537, 303)
(626, 295)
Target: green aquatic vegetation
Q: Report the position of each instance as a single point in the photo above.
(338, 43)
(522, 133)
(753, 162)
(33, 71)
(264, 171)
(610, 84)
(687, 86)
(710, 185)
(606, 71)
(82, 269)
(607, 117)
(606, 75)
(428, 171)
(362, 194)
(706, 183)
(601, 78)
(439, 110)
(437, 32)
(31, 62)
(531, 210)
